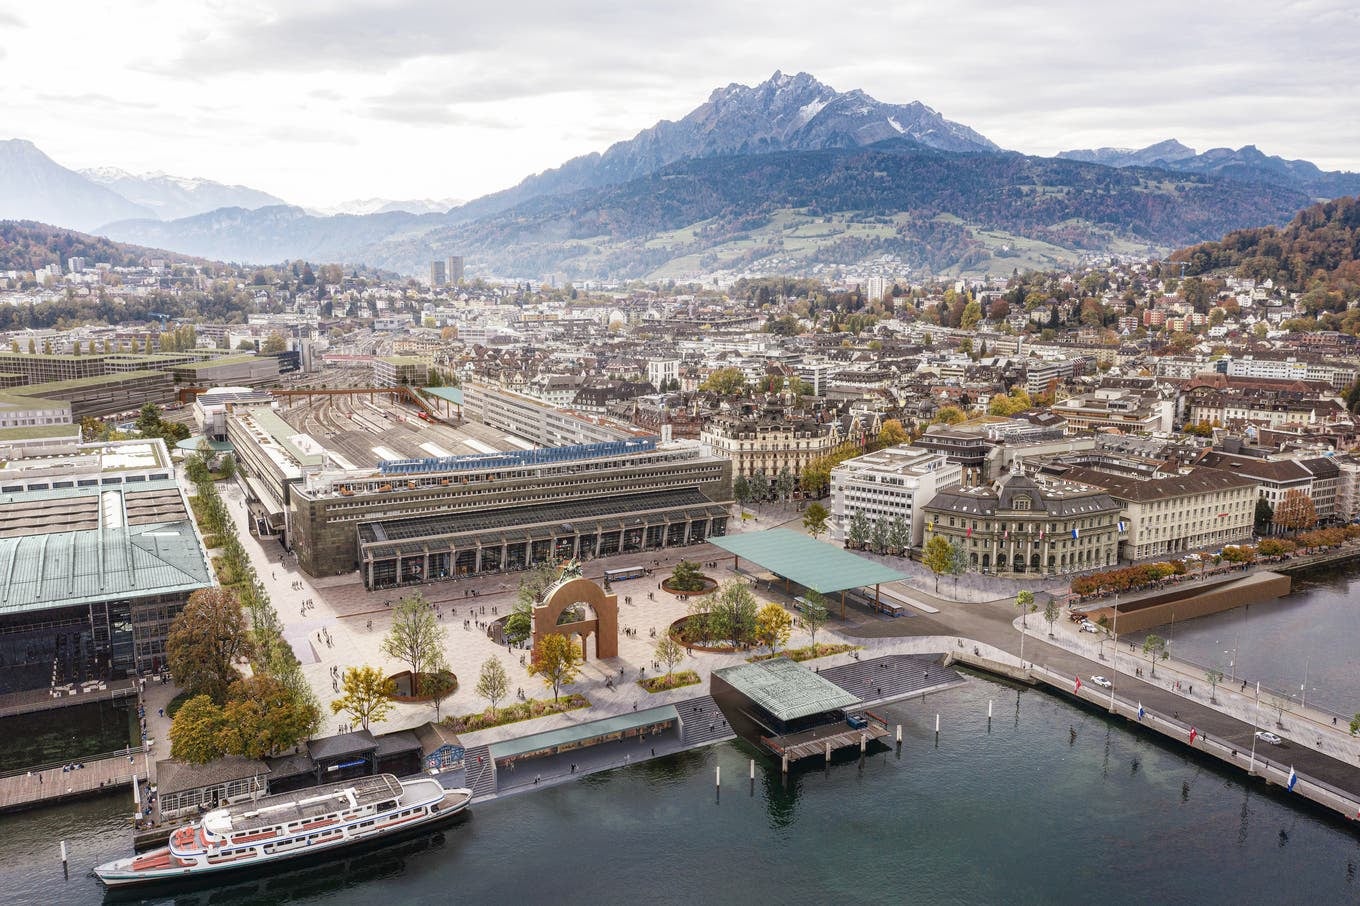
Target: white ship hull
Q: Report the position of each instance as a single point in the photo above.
(194, 852)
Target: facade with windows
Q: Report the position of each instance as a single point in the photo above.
(896, 482)
(1022, 525)
(1190, 510)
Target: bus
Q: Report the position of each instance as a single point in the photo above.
(626, 572)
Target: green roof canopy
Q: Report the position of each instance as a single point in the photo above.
(581, 732)
(808, 562)
(448, 394)
(785, 689)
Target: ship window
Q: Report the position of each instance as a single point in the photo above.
(391, 803)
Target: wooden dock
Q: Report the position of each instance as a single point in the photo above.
(51, 784)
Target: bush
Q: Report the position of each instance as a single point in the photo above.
(686, 577)
(809, 652)
(665, 683)
(468, 723)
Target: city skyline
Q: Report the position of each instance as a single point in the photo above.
(323, 103)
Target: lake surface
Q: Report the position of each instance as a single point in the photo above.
(1053, 805)
(72, 733)
(1312, 633)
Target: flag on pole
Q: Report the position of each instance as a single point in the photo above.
(1121, 525)
(1293, 779)
(1193, 734)
(1078, 681)
(970, 532)
(1075, 534)
(1041, 534)
(1140, 710)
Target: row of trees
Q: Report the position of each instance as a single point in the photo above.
(882, 536)
(1126, 578)
(218, 630)
(759, 487)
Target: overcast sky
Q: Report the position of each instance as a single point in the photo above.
(319, 101)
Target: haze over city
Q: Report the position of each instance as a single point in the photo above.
(321, 102)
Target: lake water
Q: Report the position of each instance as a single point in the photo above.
(71, 734)
(1054, 805)
(1314, 632)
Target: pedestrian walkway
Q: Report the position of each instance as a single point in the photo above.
(897, 676)
(51, 783)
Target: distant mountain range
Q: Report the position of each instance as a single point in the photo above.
(388, 206)
(35, 187)
(787, 176)
(173, 197)
(1246, 164)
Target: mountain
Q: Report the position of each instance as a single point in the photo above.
(790, 211)
(35, 187)
(269, 234)
(172, 197)
(1151, 156)
(783, 113)
(1246, 164)
(1317, 253)
(26, 246)
(389, 206)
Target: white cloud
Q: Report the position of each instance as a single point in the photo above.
(320, 100)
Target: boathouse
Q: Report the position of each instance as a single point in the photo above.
(790, 710)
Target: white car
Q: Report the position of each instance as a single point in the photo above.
(1102, 682)
(1267, 736)
(1088, 626)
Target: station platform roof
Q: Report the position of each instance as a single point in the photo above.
(810, 563)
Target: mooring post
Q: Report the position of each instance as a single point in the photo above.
(899, 734)
(828, 753)
(785, 764)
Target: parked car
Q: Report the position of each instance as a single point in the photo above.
(1267, 736)
(1088, 626)
(1102, 682)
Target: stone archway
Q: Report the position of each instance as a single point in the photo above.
(570, 591)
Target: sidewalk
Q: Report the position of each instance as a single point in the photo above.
(1313, 728)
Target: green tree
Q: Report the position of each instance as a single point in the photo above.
(206, 642)
(773, 626)
(958, 564)
(493, 682)
(1214, 676)
(1265, 515)
(227, 467)
(438, 686)
(367, 695)
(274, 344)
(815, 518)
(741, 491)
(1051, 613)
(1024, 601)
(196, 468)
(686, 576)
(878, 535)
(732, 613)
(264, 717)
(937, 557)
(519, 625)
(1154, 646)
(416, 638)
(815, 614)
(725, 382)
(858, 532)
(899, 536)
(669, 652)
(556, 660)
(785, 483)
(760, 487)
(196, 731)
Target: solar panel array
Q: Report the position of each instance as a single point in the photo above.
(515, 458)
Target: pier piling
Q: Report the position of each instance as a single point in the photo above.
(65, 868)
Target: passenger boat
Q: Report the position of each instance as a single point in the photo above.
(290, 825)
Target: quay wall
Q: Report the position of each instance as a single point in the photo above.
(1194, 601)
(1330, 798)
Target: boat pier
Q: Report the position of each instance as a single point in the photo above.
(47, 784)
